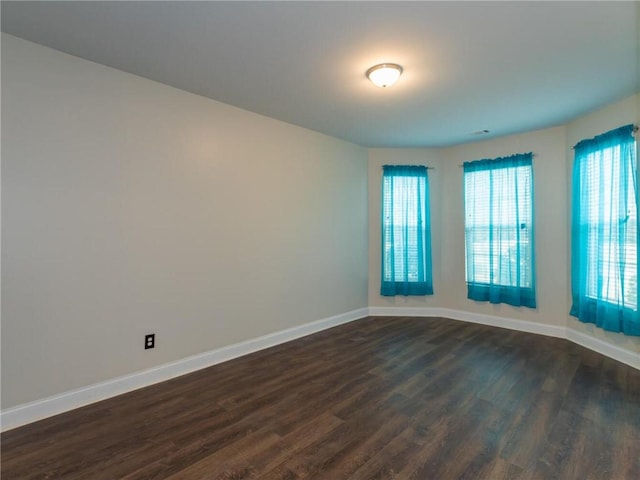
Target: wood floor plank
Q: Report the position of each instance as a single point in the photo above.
(379, 398)
(388, 461)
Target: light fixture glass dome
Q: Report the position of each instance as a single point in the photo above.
(385, 74)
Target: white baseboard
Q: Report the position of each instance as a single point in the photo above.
(623, 355)
(407, 311)
(47, 407)
(510, 323)
(620, 354)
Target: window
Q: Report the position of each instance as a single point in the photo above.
(406, 231)
(498, 199)
(604, 232)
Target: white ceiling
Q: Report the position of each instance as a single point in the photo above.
(503, 66)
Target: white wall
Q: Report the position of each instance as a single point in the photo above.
(550, 219)
(448, 224)
(613, 116)
(131, 207)
(553, 158)
(404, 156)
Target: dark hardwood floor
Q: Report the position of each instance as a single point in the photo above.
(381, 397)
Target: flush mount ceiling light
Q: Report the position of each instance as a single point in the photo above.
(385, 74)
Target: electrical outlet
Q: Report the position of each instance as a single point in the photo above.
(149, 341)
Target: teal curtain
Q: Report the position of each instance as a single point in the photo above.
(406, 231)
(499, 233)
(604, 232)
